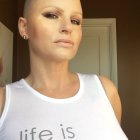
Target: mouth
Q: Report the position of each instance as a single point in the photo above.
(64, 42)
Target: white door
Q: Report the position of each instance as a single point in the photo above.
(97, 53)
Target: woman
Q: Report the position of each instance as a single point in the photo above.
(53, 103)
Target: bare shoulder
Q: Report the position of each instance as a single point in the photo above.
(112, 95)
(2, 98)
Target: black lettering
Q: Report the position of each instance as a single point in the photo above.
(32, 133)
(26, 135)
(46, 133)
(72, 135)
(63, 131)
(20, 135)
(23, 135)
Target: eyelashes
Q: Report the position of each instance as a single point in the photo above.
(54, 16)
(76, 21)
(51, 15)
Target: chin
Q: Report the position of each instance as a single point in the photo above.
(63, 58)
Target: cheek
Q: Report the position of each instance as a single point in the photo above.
(78, 37)
(36, 32)
(36, 28)
(39, 35)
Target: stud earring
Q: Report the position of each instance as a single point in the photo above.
(25, 37)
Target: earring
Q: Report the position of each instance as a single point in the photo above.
(25, 37)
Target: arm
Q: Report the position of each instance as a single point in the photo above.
(113, 96)
(2, 98)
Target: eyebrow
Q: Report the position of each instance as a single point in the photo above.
(79, 13)
(75, 12)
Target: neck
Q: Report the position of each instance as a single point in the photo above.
(50, 75)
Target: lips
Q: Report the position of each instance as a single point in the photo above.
(64, 42)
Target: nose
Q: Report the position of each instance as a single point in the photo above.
(66, 26)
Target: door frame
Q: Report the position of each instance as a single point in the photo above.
(111, 23)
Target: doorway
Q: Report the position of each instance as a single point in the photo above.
(97, 53)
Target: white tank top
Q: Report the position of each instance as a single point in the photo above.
(29, 115)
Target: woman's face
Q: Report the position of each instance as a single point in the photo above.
(54, 28)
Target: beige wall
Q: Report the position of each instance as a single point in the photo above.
(8, 16)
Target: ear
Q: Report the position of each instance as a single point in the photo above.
(22, 26)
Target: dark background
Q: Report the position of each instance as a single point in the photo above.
(127, 14)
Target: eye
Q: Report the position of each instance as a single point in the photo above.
(51, 15)
(76, 21)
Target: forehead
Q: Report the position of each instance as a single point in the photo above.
(66, 5)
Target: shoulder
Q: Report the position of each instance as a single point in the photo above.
(2, 99)
(112, 95)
